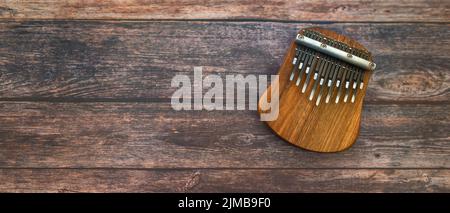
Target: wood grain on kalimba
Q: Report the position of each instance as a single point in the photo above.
(321, 97)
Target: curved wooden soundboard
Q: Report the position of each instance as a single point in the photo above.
(328, 127)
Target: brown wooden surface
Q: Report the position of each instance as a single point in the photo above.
(137, 60)
(309, 10)
(228, 180)
(85, 105)
(152, 135)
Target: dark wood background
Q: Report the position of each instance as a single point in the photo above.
(85, 97)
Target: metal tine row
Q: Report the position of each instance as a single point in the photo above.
(325, 72)
(357, 74)
(307, 65)
(350, 79)
(314, 62)
(358, 80)
(355, 80)
(302, 62)
(328, 71)
(340, 45)
(336, 76)
(332, 72)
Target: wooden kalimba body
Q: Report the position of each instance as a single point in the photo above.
(322, 84)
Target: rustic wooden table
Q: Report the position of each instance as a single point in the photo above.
(85, 97)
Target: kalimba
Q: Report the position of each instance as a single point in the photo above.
(322, 84)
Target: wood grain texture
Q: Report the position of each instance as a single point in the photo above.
(153, 135)
(308, 10)
(137, 60)
(224, 180)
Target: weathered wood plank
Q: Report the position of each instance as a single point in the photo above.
(309, 10)
(153, 135)
(224, 180)
(137, 60)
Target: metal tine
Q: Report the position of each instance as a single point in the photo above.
(323, 81)
(365, 55)
(336, 73)
(340, 74)
(347, 84)
(314, 35)
(294, 62)
(330, 84)
(361, 77)
(337, 70)
(298, 61)
(351, 82)
(339, 45)
(326, 74)
(310, 71)
(318, 69)
(311, 65)
(343, 73)
(307, 66)
(318, 75)
(340, 83)
(347, 74)
(357, 82)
